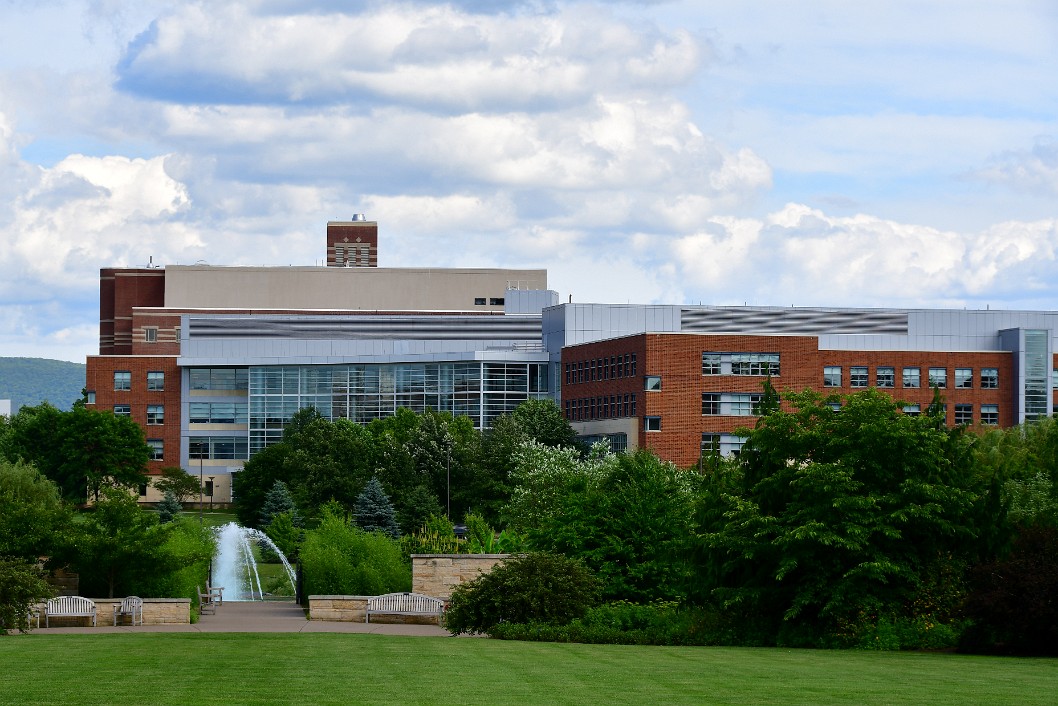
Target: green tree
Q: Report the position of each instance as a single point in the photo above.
(169, 508)
(22, 585)
(33, 519)
(374, 512)
(543, 421)
(182, 485)
(117, 545)
(630, 524)
(834, 519)
(279, 501)
(544, 476)
(82, 450)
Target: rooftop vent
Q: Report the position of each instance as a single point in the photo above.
(359, 217)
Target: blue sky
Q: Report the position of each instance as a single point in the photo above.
(819, 153)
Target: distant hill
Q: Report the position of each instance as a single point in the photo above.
(30, 381)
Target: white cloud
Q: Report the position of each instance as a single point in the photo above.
(1034, 171)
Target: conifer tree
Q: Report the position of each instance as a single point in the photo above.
(374, 511)
(169, 507)
(277, 501)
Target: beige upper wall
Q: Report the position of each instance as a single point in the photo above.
(422, 289)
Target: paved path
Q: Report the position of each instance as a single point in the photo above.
(258, 616)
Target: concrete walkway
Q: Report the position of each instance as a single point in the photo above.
(258, 616)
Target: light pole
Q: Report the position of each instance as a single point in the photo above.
(449, 476)
(200, 484)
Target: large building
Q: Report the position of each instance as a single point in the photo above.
(682, 380)
(214, 361)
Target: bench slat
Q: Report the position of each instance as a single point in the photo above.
(403, 604)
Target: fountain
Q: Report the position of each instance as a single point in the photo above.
(235, 567)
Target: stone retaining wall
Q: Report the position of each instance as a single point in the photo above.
(437, 575)
(156, 611)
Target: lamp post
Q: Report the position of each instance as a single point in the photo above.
(200, 484)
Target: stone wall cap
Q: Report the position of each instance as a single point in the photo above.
(343, 598)
(461, 556)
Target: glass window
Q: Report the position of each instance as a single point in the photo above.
(157, 449)
(710, 363)
(122, 410)
(496, 301)
(90, 396)
(653, 383)
(989, 414)
(479, 301)
(964, 414)
(989, 378)
(858, 376)
(755, 364)
(886, 377)
(912, 410)
(652, 423)
(710, 403)
(155, 380)
(938, 377)
(122, 380)
(155, 414)
(740, 405)
(832, 376)
(912, 377)
(964, 378)
(150, 335)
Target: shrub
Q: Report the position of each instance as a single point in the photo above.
(537, 587)
(619, 623)
(1012, 603)
(339, 558)
(168, 508)
(21, 585)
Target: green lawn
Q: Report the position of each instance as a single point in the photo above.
(168, 668)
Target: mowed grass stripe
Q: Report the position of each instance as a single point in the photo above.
(242, 668)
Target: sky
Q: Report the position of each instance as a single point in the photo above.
(729, 152)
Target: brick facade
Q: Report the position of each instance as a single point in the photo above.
(676, 358)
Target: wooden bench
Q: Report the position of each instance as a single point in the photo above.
(131, 606)
(207, 602)
(403, 604)
(69, 607)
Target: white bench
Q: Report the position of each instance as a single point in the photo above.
(403, 604)
(69, 607)
(131, 606)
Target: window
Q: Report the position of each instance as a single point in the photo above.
(156, 449)
(219, 378)
(938, 377)
(91, 397)
(710, 363)
(832, 376)
(653, 383)
(496, 301)
(652, 423)
(912, 377)
(741, 405)
(122, 380)
(755, 364)
(964, 378)
(834, 405)
(989, 378)
(710, 403)
(150, 334)
(858, 376)
(155, 380)
(964, 414)
(155, 414)
(886, 377)
(143, 490)
(479, 301)
(218, 447)
(912, 410)
(989, 414)
(122, 410)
